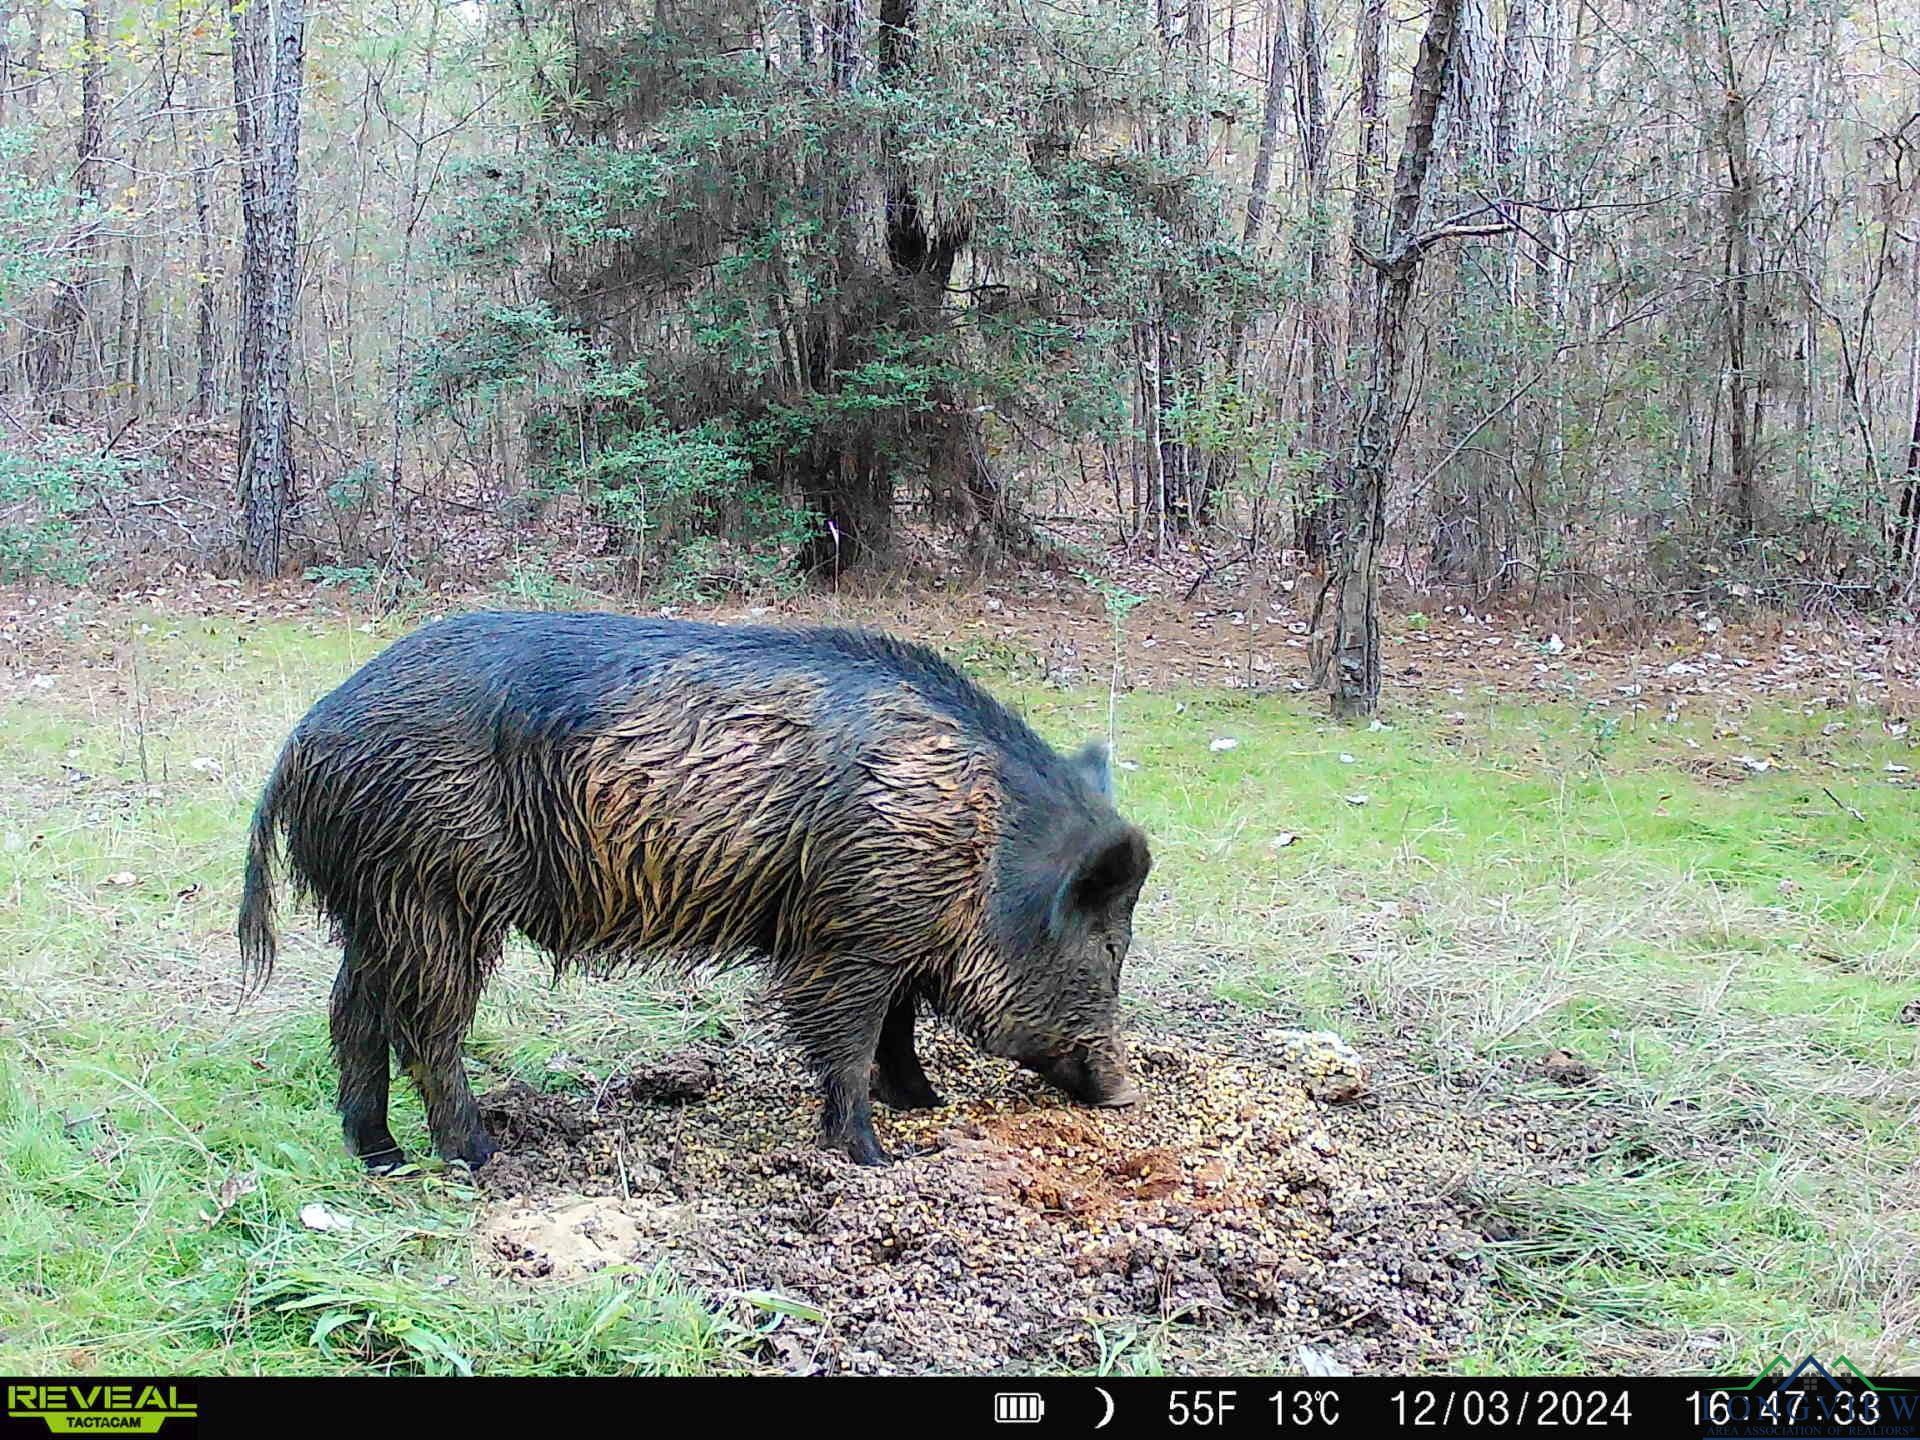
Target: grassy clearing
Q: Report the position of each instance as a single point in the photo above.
(1731, 947)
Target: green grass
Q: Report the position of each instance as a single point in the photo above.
(1730, 948)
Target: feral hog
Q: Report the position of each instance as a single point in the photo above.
(843, 808)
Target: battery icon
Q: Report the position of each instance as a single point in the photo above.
(1018, 1407)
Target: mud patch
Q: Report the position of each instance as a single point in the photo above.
(536, 1242)
(1230, 1212)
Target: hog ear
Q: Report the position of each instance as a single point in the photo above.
(1095, 765)
(1112, 868)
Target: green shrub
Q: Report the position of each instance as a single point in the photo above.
(41, 494)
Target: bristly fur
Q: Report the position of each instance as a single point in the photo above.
(841, 806)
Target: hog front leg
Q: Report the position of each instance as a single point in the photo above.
(899, 1082)
(836, 1011)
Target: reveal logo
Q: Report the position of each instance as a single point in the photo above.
(124, 1408)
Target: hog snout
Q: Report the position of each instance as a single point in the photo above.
(1092, 1075)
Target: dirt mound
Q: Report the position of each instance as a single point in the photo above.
(1224, 1213)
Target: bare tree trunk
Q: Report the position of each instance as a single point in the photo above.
(1257, 196)
(1262, 181)
(1180, 348)
(1198, 42)
(1461, 544)
(1546, 452)
(1369, 167)
(1347, 661)
(1490, 500)
(1316, 503)
(922, 258)
(126, 338)
(1906, 529)
(1472, 82)
(206, 339)
(27, 86)
(268, 43)
(1742, 390)
(1508, 105)
(1548, 269)
(51, 366)
(844, 482)
(6, 58)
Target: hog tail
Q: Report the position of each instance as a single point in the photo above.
(258, 945)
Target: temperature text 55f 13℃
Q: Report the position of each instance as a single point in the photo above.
(1296, 1409)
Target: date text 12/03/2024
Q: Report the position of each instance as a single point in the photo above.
(1332, 1407)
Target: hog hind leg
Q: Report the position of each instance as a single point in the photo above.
(358, 1020)
(433, 1006)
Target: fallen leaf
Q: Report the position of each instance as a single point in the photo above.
(1320, 1364)
(231, 1189)
(1225, 742)
(797, 1357)
(317, 1217)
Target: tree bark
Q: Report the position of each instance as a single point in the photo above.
(6, 58)
(1317, 499)
(1906, 528)
(268, 44)
(127, 337)
(844, 480)
(206, 337)
(1262, 181)
(922, 258)
(1174, 352)
(1278, 57)
(1743, 410)
(1347, 659)
(1369, 166)
(1462, 544)
(1508, 107)
(51, 366)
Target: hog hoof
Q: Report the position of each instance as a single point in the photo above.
(860, 1149)
(384, 1162)
(475, 1152)
(907, 1095)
